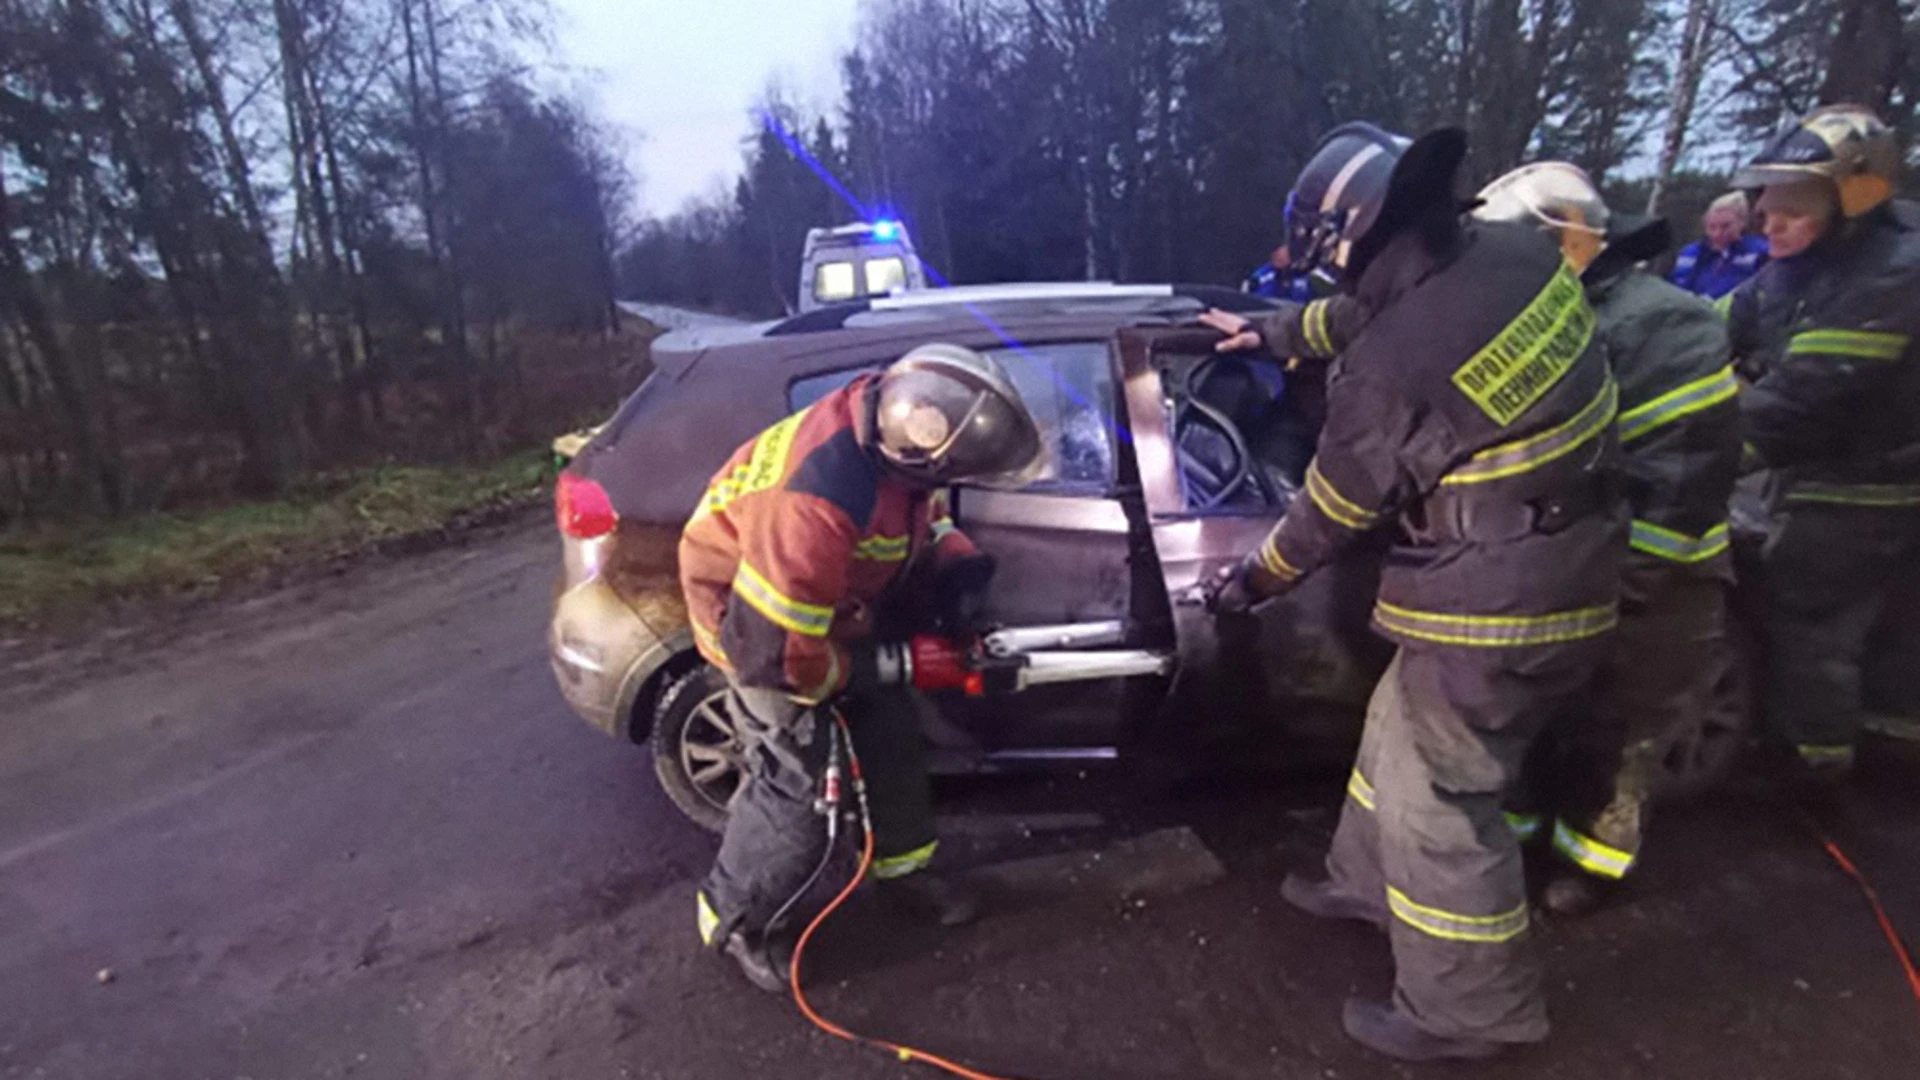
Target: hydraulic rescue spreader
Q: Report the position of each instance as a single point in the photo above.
(1009, 661)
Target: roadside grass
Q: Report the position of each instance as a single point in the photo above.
(55, 573)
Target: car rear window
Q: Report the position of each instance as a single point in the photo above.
(1069, 388)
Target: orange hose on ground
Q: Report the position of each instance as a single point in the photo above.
(1879, 912)
(904, 1053)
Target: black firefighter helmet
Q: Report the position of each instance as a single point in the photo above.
(1339, 194)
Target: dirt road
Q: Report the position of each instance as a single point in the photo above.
(349, 830)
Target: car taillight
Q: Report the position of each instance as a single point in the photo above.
(582, 508)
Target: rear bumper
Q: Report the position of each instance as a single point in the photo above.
(604, 655)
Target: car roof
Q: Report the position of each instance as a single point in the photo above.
(971, 312)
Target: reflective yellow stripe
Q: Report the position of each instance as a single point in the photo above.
(785, 612)
(1856, 494)
(941, 528)
(1335, 505)
(1497, 631)
(1724, 306)
(1679, 547)
(1591, 855)
(709, 645)
(765, 467)
(724, 491)
(1483, 929)
(1532, 353)
(1825, 755)
(884, 548)
(1276, 563)
(1313, 321)
(901, 865)
(1684, 401)
(1864, 344)
(1361, 791)
(1524, 826)
(1514, 458)
(705, 918)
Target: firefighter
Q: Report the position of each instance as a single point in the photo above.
(1680, 437)
(1828, 329)
(787, 564)
(1474, 415)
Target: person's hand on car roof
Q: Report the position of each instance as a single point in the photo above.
(1241, 333)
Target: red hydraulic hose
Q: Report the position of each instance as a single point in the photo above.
(1887, 928)
(904, 1053)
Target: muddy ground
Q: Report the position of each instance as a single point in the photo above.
(349, 829)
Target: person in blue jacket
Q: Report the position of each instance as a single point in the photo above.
(1276, 279)
(1727, 255)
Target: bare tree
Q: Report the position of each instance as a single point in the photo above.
(1691, 66)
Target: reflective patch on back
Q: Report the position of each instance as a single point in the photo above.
(1532, 354)
(763, 469)
(768, 462)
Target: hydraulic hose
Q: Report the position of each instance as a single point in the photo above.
(898, 1050)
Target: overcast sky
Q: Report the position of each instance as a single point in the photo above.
(679, 75)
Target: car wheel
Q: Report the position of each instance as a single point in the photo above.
(697, 752)
(1693, 759)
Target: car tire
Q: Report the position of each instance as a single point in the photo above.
(1697, 757)
(696, 747)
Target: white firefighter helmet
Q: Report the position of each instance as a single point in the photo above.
(1552, 195)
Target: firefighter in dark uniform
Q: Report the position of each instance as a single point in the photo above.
(1475, 416)
(799, 543)
(1588, 788)
(1828, 328)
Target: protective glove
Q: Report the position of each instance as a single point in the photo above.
(960, 587)
(1237, 589)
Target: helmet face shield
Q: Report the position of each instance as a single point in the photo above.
(946, 414)
(1313, 238)
(1554, 196)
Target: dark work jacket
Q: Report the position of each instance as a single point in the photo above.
(1830, 336)
(1475, 414)
(1679, 418)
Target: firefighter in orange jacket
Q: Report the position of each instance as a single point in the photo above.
(801, 538)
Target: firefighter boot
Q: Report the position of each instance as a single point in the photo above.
(766, 962)
(1322, 901)
(1384, 1029)
(931, 897)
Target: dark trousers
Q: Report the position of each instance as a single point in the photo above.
(775, 836)
(1830, 575)
(1892, 680)
(1424, 840)
(1589, 782)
